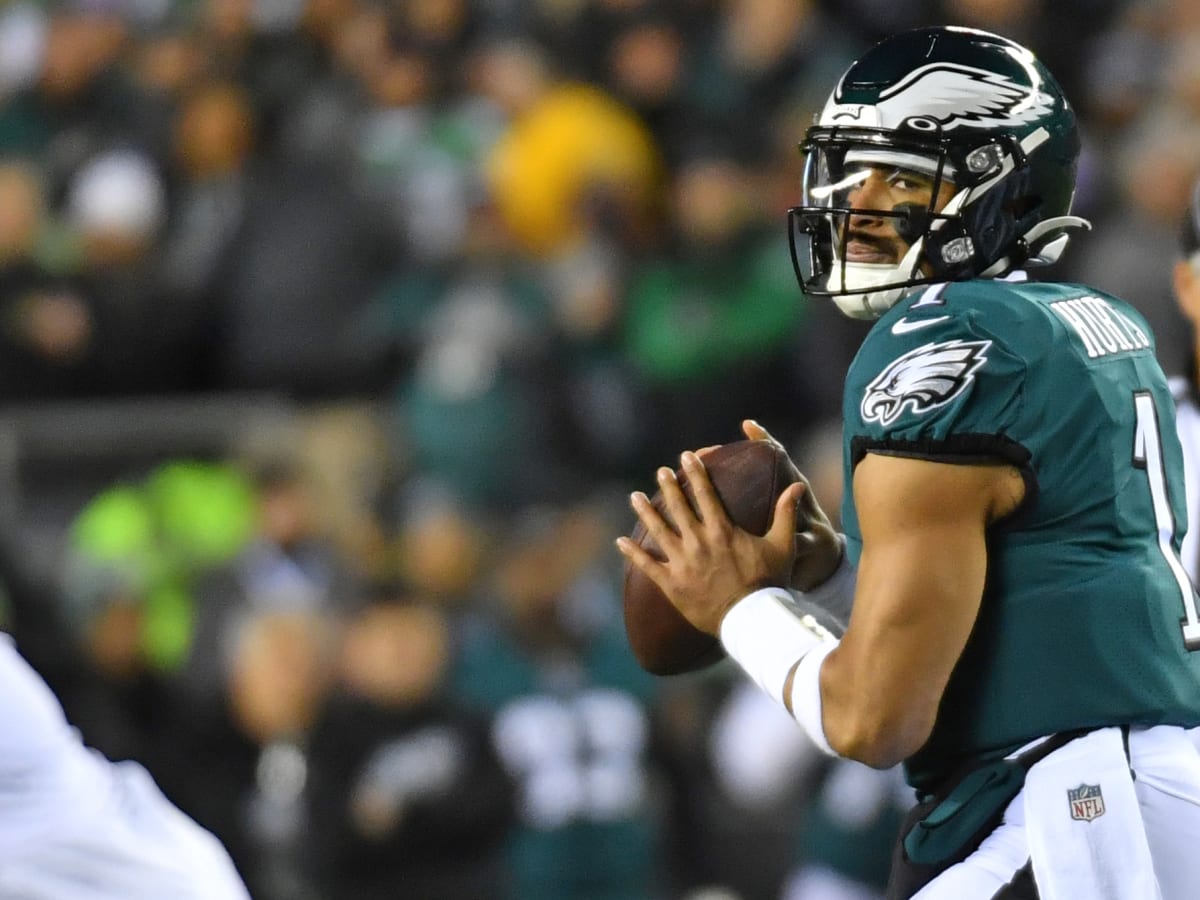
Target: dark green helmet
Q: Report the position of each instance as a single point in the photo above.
(962, 109)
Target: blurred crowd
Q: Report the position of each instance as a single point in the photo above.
(498, 259)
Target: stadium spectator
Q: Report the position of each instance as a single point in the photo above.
(289, 562)
(714, 316)
(47, 326)
(405, 790)
(569, 707)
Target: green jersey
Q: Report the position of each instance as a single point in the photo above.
(1088, 618)
(574, 734)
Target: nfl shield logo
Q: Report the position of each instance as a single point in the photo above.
(1086, 801)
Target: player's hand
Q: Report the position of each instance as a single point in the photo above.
(756, 432)
(710, 563)
(818, 550)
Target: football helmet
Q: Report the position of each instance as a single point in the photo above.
(972, 116)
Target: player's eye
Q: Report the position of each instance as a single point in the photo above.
(908, 180)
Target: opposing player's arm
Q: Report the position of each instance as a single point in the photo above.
(920, 582)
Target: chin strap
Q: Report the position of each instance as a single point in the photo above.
(865, 303)
(867, 307)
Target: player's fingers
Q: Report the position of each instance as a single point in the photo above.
(708, 504)
(652, 520)
(806, 542)
(704, 451)
(675, 504)
(639, 558)
(756, 432)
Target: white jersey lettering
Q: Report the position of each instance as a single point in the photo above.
(1102, 329)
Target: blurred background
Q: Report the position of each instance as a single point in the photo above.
(333, 336)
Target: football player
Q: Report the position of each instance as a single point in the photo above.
(1022, 635)
(75, 825)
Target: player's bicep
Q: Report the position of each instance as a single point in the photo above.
(920, 582)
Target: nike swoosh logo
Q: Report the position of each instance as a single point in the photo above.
(904, 326)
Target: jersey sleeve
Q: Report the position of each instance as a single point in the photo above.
(947, 386)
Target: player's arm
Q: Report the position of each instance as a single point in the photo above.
(873, 695)
(920, 582)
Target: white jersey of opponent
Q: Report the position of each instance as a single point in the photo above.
(1187, 423)
(74, 826)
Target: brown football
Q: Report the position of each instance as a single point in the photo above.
(748, 477)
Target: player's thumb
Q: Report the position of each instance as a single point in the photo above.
(783, 524)
(755, 432)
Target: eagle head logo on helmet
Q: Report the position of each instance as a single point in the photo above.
(944, 96)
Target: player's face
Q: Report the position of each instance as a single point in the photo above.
(874, 238)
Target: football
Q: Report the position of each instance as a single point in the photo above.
(748, 477)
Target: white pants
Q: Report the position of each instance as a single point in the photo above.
(137, 846)
(1164, 806)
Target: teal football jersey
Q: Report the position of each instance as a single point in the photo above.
(1088, 618)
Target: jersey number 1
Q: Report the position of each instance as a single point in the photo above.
(1147, 454)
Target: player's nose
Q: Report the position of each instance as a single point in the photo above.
(869, 195)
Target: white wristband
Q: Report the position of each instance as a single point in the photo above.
(765, 636)
(806, 696)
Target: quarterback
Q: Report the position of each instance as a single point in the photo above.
(1021, 633)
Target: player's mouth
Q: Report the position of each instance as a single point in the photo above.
(862, 248)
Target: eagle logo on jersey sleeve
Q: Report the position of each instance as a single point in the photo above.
(949, 96)
(923, 379)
